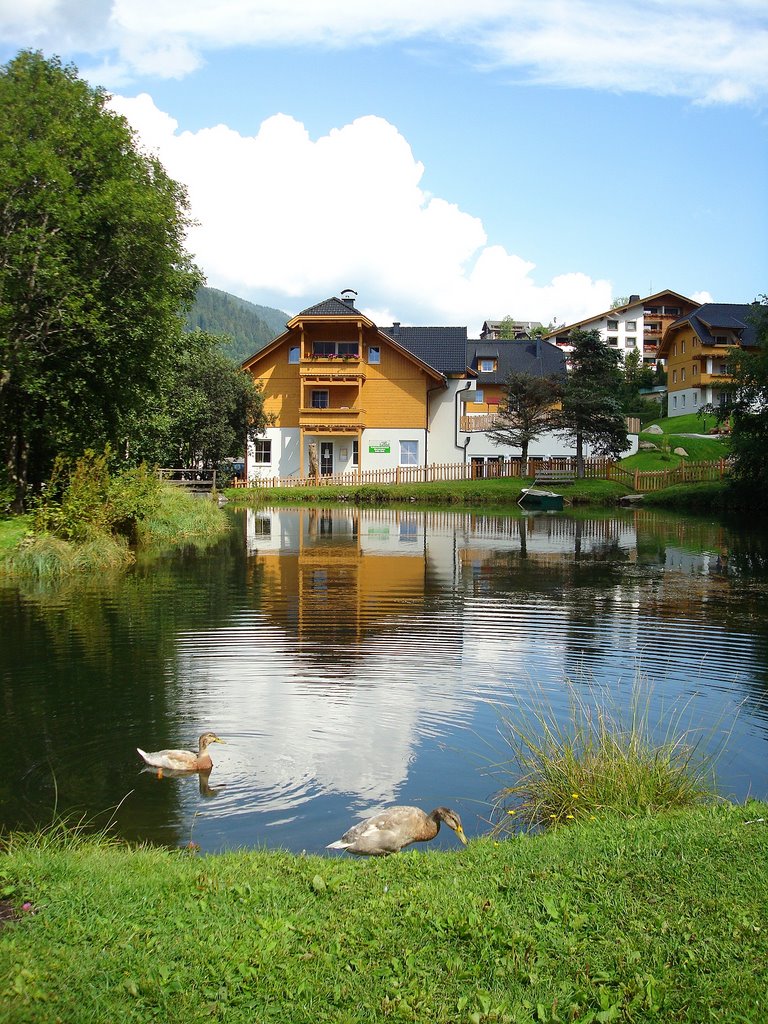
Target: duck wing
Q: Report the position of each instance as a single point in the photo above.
(179, 760)
(386, 832)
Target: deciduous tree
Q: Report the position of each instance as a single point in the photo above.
(215, 407)
(746, 405)
(94, 276)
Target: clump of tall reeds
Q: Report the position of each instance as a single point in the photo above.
(47, 557)
(178, 517)
(600, 758)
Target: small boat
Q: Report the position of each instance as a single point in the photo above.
(537, 498)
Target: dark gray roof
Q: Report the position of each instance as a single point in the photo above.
(442, 348)
(331, 307)
(710, 317)
(539, 358)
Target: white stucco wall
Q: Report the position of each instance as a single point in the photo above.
(443, 443)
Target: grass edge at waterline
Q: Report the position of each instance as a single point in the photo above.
(177, 518)
(645, 919)
(600, 758)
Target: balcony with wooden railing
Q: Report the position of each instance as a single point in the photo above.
(341, 419)
(716, 380)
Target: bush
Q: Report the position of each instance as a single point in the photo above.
(83, 499)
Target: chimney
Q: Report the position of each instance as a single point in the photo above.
(395, 328)
(634, 298)
(348, 296)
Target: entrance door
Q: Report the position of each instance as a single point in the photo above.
(326, 458)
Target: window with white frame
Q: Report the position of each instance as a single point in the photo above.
(630, 325)
(374, 354)
(486, 365)
(630, 342)
(262, 451)
(320, 399)
(613, 325)
(409, 453)
(293, 354)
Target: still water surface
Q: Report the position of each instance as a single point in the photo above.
(356, 658)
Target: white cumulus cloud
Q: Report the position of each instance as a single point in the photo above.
(298, 219)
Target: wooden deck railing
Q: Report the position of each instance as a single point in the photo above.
(602, 469)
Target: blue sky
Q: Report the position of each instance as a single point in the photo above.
(452, 162)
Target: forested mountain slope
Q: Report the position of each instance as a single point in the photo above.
(248, 325)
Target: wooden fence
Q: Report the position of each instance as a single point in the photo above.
(189, 479)
(594, 469)
(657, 480)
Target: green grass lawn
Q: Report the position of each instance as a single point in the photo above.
(699, 449)
(649, 920)
(693, 423)
(12, 530)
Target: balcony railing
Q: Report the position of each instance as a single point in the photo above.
(331, 418)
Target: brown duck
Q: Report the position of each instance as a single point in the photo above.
(391, 830)
(183, 760)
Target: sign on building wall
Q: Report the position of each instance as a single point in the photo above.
(379, 448)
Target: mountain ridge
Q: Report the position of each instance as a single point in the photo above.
(247, 325)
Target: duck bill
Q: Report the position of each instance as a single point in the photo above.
(462, 837)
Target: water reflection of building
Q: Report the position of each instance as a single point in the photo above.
(337, 572)
(328, 573)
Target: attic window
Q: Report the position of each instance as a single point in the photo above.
(486, 365)
(613, 325)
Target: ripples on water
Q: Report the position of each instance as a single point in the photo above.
(356, 658)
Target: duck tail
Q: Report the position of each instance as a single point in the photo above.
(143, 754)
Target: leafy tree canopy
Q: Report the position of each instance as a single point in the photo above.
(215, 406)
(746, 405)
(94, 276)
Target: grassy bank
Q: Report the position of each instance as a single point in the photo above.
(651, 919)
(456, 492)
(174, 518)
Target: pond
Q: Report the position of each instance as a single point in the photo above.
(356, 658)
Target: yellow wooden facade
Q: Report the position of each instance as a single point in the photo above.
(336, 376)
(692, 364)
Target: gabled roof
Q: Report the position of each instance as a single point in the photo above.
(330, 307)
(634, 301)
(518, 355)
(713, 316)
(442, 348)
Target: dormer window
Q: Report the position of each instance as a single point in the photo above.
(486, 365)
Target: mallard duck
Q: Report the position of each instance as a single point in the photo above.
(395, 828)
(183, 760)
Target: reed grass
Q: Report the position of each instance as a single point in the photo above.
(179, 517)
(601, 758)
(45, 557)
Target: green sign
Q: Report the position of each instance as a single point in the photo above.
(379, 448)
